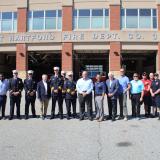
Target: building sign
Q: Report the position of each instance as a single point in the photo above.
(43, 37)
(77, 36)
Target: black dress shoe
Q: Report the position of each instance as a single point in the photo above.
(34, 116)
(10, 118)
(74, 115)
(52, 117)
(91, 119)
(19, 117)
(81, 118)
(68, 118)
(26, 117)
(113, 119)
(61, 116)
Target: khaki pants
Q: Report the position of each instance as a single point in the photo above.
(44, 106)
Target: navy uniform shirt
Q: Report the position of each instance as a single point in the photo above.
(15, 85)
(70, 88)
(155, 86)
(100, 88)
(56, 84)
(30, 85)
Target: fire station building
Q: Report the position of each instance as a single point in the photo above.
(76, 35)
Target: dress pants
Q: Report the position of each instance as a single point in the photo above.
(123, 104)
(99, 107)
(3, 99)
(15, 100)
(85, 100)
(70, 102)
(60, 103)
(44, 106)
(112, 107)
(135, 100)
(30, 101)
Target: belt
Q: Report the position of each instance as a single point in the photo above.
(136, 93)
(98, 94)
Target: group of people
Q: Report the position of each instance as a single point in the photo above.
(62, 88)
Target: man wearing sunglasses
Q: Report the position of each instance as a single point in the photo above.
(136, 95)
(3, 91)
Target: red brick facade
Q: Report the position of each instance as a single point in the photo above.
(115, 47)
(67, 63)
(21, 49)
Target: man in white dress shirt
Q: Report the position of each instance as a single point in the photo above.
(84, 88)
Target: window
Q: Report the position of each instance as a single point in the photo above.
(93, 70)
(132, 18)
(97, 18)
(8, 21)
(91, 19)
(50, 21)
(44, 20)
(38, 20)
(144, 18)
(84, 19)
(139, 18)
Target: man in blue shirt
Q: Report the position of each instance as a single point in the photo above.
(124, 87)
(136, 95)
(84, 88)
(99, 93)
(4, 86)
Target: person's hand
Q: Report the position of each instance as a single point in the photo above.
(16, 93)
(73, 92)
(102, 98)
(153, 94)
(110, 95)
(55, 91)
(84, 94)
(141, 99)
(32, 94)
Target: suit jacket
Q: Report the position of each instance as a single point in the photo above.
(15, 87)
(113, 88)
(41, 91)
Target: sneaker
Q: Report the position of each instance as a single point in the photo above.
(125, 119)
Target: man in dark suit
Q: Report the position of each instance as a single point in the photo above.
(15, 88)
(30, 87)
(112, 93)
(44, 94)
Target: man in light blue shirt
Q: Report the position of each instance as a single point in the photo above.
(136, 95)
(124, 87)
(4, 86)
(84, 88)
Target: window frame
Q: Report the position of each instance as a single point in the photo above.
(76, 27)
(12, 22)
(44, 21)
(138, 28)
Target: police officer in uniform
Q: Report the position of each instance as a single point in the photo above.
(71, 95)
(64, 79)
(30, 86)
(15, 88)
(56, 90)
